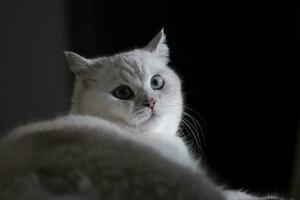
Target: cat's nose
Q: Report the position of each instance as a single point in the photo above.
(149, 103)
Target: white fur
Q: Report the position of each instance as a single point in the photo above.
(135, 69)
(161, 131)
(169, 147)
(106, 138)
(241, 195)
(83, 144)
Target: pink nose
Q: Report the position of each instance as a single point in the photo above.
(150, 103)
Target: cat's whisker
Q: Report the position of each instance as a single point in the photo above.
(196, 137)
(197, 113)
(197, 125)
(192, 133)
(196, 133)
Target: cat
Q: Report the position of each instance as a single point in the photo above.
(120, 140)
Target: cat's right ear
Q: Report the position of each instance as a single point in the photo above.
(79, 65)
(158, 45)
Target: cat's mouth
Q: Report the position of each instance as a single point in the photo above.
(146, 115)
(151, 118)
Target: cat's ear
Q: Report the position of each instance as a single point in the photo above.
(79, 65)
(158, 45)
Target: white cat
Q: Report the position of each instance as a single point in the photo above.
(120, 141)
(135, 90)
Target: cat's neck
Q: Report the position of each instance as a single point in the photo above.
(165, 127)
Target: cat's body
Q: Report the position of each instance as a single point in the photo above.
(90, 158)
(126, 146)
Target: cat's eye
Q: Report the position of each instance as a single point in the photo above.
(123, 92)
(157, 82)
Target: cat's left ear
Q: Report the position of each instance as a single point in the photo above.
(158, 45)
(79, 65)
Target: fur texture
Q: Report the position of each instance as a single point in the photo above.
(111, 147)
(82, 157)
(97, 78)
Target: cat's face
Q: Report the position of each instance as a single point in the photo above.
(135, 88)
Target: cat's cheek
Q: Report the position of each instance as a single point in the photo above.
(122, 109)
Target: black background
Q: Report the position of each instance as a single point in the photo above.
(238, 61)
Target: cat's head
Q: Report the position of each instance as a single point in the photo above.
(134, 88)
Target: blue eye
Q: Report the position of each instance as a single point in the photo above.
(123, 92)
(157, 82)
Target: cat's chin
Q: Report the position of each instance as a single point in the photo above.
(150, 122)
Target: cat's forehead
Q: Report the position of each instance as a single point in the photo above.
(141, 62)
(134, 64)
